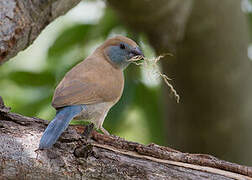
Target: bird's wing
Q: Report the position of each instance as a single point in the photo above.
(76, 92)
(89, 82)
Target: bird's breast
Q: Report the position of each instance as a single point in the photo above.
(112, 81)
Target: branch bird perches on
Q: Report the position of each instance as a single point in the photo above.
(101, 156)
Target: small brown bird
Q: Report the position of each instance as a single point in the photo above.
(91, 88)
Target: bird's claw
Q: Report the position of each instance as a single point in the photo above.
(88, 130)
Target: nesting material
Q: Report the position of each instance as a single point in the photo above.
(152, 63)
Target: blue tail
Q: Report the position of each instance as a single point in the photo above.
(58, 125)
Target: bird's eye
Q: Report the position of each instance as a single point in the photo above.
(122, 46)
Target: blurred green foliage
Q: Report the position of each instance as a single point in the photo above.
(137, 116)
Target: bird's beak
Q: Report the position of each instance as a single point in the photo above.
(136, 52)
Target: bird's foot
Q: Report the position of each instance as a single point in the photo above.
(86, 148)
(104, 131)
(88, 130)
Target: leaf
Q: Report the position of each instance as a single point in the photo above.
(32, 108)
(25, 78)
(71, 36)
(31, 100)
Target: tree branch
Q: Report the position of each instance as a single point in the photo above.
(102, 157)
(21, 21)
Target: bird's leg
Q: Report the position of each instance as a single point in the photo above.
(100, 122)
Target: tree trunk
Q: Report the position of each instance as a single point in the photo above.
(210, 71)
(213, 76)
(100, 157)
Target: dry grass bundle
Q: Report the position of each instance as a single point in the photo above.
(152, 63)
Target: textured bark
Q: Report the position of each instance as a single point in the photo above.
(210, 71)
(101, 157)
(21, 21)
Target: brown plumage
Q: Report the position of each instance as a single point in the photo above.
(94, 80)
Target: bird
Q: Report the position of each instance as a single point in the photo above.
(91, 88)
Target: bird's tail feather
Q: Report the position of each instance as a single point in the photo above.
(58, 125)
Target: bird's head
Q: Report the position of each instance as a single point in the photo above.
(119, 50)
